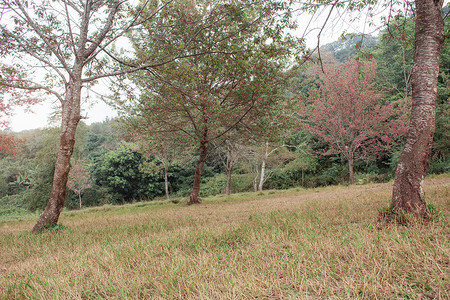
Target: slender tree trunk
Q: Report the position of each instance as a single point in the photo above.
(69, 122)
(255, 180)
(228, 187)
(79, 198)
(263, 166)
(198, 174)
(166, 180)
(350, 170)
(303, 177)
(408, 194)
(261, 179)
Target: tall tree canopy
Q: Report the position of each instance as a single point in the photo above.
(238, 79)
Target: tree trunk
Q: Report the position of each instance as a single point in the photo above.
(228, 187)
(79, 198)
(261, 179)
(198, 174)
(408, 194)
(350, 170)
(166, 180)
(255, 180)
(69, 122)
(263, 166)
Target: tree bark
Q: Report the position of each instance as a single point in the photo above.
(408, 194)
(198, 174)
(69, 122)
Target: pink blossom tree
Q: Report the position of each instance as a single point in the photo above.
(8, 75)
(347, 111)
(79, 179)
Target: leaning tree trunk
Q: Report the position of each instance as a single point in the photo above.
(70, 119)
(198, 173)
(408, 194)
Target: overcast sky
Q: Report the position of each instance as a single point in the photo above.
(309, 26)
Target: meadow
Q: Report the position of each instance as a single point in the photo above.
(322, 243)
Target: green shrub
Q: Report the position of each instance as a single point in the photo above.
(213, 185)
(241, 183)
(439, 166)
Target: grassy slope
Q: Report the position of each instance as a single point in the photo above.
(305, 244)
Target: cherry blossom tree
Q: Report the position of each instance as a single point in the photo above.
(348, 112)
(79, 178)
(13, 99)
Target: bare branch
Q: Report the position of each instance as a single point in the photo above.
(33, 87)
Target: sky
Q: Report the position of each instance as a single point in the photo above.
(95, 110)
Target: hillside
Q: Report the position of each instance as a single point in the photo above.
(299, 243)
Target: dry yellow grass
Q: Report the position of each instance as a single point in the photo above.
(298, 244)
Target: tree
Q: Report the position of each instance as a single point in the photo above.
(73, 43)
(165, 149)
(64, 38)
(205, 97)
(408, 194)
(347, 112)
(120, 172)
(229, 152)
(78, 178)
(8, 142)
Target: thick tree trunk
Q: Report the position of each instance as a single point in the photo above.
(166, 180)
(408, 194)
(70, 119)
(198, 174)
(228, 187)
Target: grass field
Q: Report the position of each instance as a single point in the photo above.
(321, 243)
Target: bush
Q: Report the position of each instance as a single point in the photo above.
(282, 180)
(439, 166)
(213, 185)
(241, 183)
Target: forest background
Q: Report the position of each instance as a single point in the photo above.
(109, 168)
